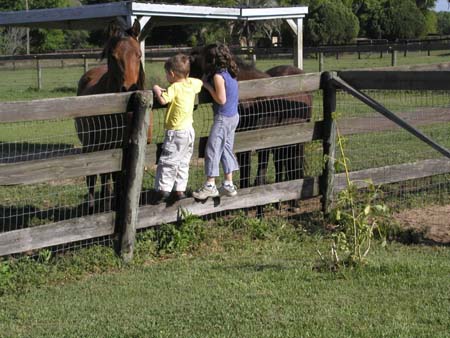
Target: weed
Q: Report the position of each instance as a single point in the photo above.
(176, 238)
(357, 215)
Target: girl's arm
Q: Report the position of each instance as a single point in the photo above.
(217, 92)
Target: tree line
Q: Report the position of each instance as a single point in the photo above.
(329, 22)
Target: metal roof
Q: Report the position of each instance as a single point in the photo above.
(97, 16)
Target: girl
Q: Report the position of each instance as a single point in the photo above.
(220, 81)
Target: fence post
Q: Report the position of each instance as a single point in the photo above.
(85, 62)
(393, 57)
(320, 62)
(133, 171)
(39, 74)
(326, 180)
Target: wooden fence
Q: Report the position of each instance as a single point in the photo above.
(130, 160)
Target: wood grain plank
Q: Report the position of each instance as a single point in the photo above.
(279, 85)
(56, 233)
(37, 171)
(395, 173)
(397, 80)
(247, 198)
(63, 108)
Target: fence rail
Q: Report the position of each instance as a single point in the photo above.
(123, 224)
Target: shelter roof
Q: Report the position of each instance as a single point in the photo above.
(97, 16)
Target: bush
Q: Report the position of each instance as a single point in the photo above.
(176, 238)
(330, 23)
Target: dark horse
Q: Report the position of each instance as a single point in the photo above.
(123, 72)
(266, 112)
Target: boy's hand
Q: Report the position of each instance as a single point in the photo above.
(158, 90)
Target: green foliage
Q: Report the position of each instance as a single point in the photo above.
(402, 20)
(431, 24)
(357, 215)
(330, 22)
(443, 23)
(261, 228)
(176, 238)
(370, 14)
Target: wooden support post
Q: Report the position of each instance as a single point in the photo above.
(326, 180)
(133, 171)
(62, 63)
(85, 63)
(393, 58)
(39, 74)
(320, 62)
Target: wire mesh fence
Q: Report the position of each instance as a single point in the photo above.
(259, 167)
(372, 141)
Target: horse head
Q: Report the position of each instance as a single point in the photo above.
(123, 53)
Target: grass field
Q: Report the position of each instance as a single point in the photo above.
(240, 281)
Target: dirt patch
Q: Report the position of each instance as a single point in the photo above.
(430, 222)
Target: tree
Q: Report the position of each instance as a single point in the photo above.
(402, 20)
(443, 23)
(330, 22)
(369, 13)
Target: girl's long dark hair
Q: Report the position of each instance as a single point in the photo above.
(217, 57)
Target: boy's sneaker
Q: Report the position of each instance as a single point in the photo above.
(228, 190)
(206, 191)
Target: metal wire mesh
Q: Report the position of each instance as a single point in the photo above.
(23, 206)
(371, 141)
(264, 166)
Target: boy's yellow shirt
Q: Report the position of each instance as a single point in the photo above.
(181, 97)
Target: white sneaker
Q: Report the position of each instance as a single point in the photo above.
(205, 191)
(228, 190)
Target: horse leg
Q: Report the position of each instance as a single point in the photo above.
(278, 159)
(106, 190)
(263, 163)
(295, 161)
(90, 182)
(244, 168)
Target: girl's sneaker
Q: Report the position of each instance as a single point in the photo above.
(206, 191)
(228, 190)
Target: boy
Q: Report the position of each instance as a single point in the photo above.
(177, 149)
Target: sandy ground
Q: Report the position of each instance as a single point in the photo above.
(431, 222)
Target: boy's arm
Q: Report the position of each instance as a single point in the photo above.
(158, 93)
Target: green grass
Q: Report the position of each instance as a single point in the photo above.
(241, 281)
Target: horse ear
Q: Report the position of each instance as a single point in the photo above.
(135, 30)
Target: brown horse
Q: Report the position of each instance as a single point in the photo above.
(123, 72)
(295, 108)
(262, 113)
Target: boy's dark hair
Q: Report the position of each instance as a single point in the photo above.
(179, 64)
(217, 57)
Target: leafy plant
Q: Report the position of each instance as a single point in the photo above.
(188, 234)
(357, 215)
